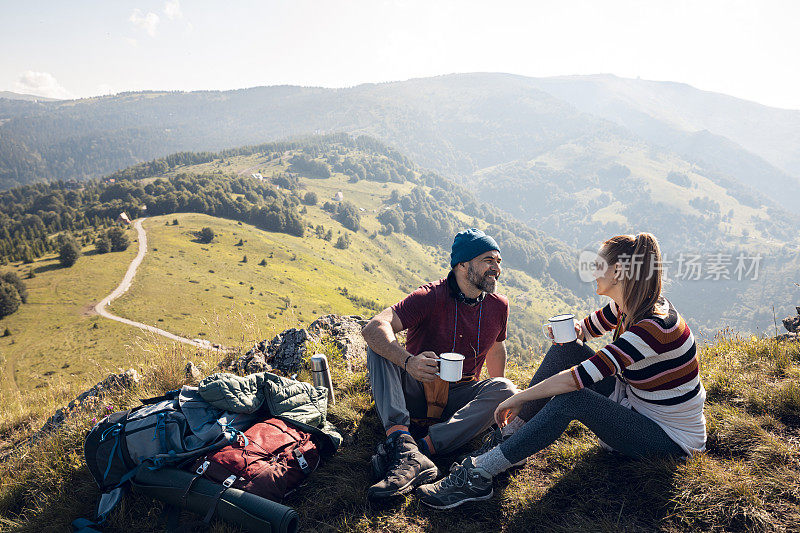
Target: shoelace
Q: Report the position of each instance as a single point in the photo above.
(458, 477)
(396, 465)
(495, 438)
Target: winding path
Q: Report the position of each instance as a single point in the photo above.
(126, 284)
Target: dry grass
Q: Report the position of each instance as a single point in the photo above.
(746, 481)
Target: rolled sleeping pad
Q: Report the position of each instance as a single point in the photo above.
(251, 512)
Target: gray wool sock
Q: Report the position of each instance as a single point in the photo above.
(512, 426)
(493, 461)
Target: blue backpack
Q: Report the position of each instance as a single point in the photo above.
(167, 430)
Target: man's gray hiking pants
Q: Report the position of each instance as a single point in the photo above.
(469, 410)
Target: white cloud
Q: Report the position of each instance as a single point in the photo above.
(41, 84)
(172, 9)
(132, 42)
(147, 22)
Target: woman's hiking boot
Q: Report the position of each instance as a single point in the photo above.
(464, 483)
(407, 468)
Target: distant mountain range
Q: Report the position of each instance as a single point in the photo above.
(454, 124)
(647, 106)
(27, 97)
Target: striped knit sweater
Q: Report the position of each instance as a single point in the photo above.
(655, 362)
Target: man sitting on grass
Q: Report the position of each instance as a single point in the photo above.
(460, 314)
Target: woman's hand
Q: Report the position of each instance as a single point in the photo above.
(508, 410)
(579, 330)
(578, 324)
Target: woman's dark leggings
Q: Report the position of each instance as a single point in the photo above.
(623, 429)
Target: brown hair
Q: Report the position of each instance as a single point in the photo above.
(640, 259)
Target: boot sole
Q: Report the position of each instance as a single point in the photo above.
(424, 477)
(465, 500)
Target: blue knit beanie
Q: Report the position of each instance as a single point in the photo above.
(469, 244)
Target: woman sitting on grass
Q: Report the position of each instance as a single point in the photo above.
(641, 394)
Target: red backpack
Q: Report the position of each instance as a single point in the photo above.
(270, 460)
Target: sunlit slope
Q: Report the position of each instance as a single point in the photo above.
(208, 291)
(56, 336)
(602, 186)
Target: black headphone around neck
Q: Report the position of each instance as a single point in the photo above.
(460, 297)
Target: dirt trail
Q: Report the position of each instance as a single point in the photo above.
(100, 308)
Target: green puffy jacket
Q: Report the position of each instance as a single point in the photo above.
(294, 401)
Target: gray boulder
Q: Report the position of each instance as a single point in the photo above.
(287, 351)
(792, 323)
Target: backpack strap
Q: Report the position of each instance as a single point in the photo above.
(84, 525)
(108, 501)
(225, 484)
(170, 395)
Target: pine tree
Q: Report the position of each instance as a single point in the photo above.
(102, 244)
(12, 278)
(206, 235)
(9, 299)
(69, 251)
(119, 239)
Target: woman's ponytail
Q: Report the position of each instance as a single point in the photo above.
(640, 263)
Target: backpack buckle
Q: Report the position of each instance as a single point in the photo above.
(301, 461)
(229, 481)
(202, 468)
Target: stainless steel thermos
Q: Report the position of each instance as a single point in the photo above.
(321, 375)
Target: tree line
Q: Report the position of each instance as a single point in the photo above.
(31, 216)
(428, 217)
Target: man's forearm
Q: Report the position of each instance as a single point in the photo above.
(381, 338)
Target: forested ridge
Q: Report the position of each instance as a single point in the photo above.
(31, 216)
(456, 125)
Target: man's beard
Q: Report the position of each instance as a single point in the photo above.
(486, 283)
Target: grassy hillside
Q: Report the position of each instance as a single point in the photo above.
(581, 191)
(746, 481)
(56, 340)
(207, 290)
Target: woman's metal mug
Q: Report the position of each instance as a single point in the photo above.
(563, 328)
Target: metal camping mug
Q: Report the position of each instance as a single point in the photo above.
(451, 366)
(563, 327)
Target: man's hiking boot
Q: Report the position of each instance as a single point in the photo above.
(407, 468)
(464, 483)
(379, 462)
(494, 437)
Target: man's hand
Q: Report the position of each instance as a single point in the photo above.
(423, 367)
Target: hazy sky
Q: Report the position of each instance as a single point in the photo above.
(82, 48)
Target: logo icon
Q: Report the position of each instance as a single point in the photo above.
(590, 266)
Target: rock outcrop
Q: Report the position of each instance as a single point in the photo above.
(345, 333)
(91, 398)
(792, 325)
(286, 351)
